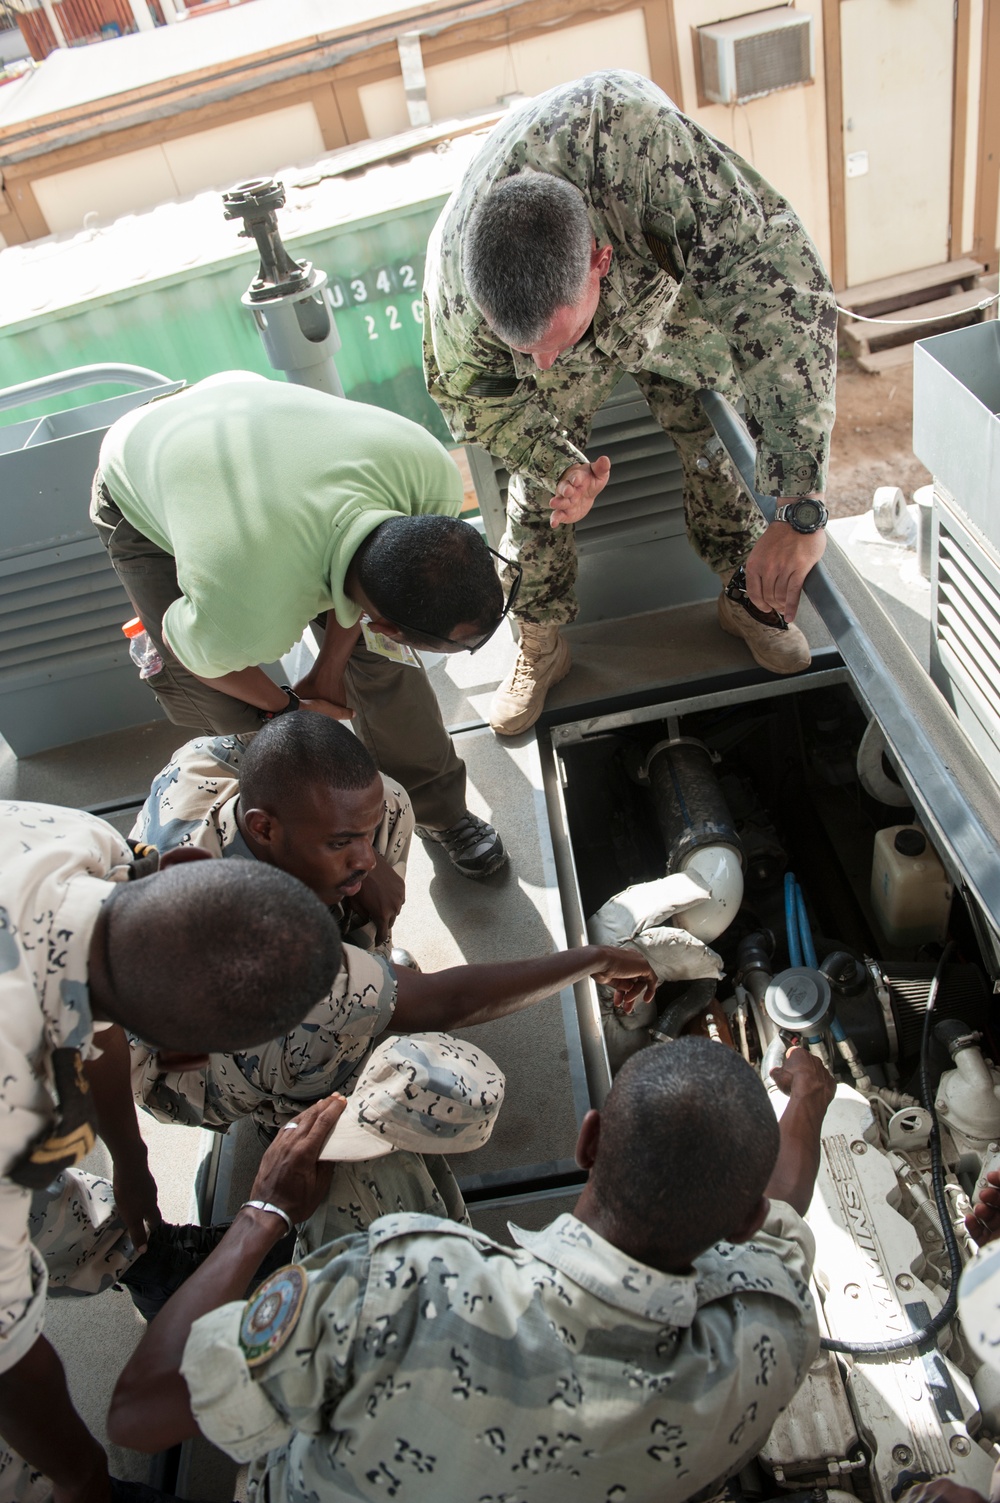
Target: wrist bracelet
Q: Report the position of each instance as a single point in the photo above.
(265, 1205)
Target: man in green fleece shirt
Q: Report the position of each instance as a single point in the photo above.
(242, 509)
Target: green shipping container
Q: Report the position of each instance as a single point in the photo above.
(191, 324)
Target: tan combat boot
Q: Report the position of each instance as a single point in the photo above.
(542, 660)
(776, 650)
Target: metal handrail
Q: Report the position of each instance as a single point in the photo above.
(83, 375)
(931, 777)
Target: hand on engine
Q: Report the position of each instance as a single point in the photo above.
(804, 1074)
(983, 1221)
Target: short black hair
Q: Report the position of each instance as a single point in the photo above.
(295, 753)
(217, 956)
(430, 573)
(526, 253)
(687, 1145)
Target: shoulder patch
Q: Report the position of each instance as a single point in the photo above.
(273, 1313)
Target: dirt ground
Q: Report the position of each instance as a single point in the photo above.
(872, 438)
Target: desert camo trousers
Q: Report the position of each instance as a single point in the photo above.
(83, 1242)
(722, 522)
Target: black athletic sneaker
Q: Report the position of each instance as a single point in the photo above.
(173, 1254)
(474, 847)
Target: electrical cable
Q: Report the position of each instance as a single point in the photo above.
(912, 323)
(946, 1313)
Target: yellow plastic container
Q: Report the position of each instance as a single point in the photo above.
(911, 893)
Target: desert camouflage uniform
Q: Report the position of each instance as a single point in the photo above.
(57, 866)
(429, 1363)
(192, 802)
(713, 284)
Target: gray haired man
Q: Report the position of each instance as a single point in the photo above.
(600, 231)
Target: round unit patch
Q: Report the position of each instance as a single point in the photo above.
(272, 1315)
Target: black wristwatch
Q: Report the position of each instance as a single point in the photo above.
(806, 515)
(293, 704)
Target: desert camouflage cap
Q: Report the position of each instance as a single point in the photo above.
(427, 1092)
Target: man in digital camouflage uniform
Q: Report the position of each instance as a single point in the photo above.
(305, 795)
(600, 231)
(637, 1349)
(193, 957)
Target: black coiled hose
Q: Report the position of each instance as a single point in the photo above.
(926, 1334)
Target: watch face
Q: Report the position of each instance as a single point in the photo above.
(807, 515)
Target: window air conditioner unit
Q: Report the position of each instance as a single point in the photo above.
(756, 54)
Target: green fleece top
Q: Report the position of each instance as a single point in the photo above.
(263, 492)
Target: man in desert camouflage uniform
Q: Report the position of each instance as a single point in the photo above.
(637, 1349)
(673, 260)
(92, 941)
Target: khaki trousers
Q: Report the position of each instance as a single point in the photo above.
(396, 711)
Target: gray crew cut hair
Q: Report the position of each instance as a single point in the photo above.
(526, 253)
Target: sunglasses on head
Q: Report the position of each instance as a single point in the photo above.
(473, 644)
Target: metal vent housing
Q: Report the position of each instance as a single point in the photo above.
(756, 54)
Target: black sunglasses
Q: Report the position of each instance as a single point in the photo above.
(449, 642)
(736, 590)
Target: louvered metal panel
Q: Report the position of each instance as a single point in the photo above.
(64, 666)
(965, 657)
(634, 553)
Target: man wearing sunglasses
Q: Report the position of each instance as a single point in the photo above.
(241, 510)
(600, 231)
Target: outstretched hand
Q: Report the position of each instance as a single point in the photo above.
(631, 975)
(577, 490)
(291, 1174)
(983, 1221)
(804, 1074)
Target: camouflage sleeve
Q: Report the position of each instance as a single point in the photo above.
(257, 1372)
(471, 376)
(747, 258)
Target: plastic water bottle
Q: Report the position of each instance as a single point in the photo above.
(141, 650)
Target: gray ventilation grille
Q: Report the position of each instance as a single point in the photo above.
(967, 616)
(642, 501)
(58, 609)
(756, 54)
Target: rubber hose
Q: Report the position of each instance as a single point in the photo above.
(805, 933)
(946, 1313)
(792, 921)
(693, 1000)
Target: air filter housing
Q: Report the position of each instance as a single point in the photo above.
(752, 55)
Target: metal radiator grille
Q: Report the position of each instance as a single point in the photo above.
(56, 605)
(967, 614)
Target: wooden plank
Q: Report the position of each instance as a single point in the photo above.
(987, 200)
(946, 309)
(885, 360)
(834, 93)
(960, 110)
(965, 269)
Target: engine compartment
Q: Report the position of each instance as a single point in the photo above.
(785, 809)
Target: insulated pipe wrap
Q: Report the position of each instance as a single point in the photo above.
(690, 807)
